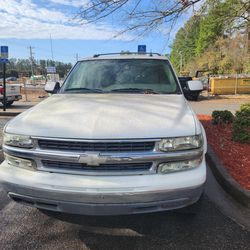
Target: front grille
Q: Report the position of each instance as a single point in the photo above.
(82, 146)
(102, 167)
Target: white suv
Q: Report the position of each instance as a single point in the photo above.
(117, 138)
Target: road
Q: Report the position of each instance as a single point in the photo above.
(221, 224)
(19, 106)
(207, 105)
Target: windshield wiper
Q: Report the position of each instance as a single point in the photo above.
(80, 90)
(135, 90)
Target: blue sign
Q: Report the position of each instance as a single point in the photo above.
(142, 49)
(4, 52)
(4, 60)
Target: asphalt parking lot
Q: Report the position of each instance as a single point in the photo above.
(207, 104)
(24, 227)
(221, 224)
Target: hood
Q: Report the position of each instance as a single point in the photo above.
(107, 116)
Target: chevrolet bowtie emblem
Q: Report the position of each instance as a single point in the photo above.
(93, 159)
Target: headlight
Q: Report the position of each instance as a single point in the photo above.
(19, 162)
(180, 143)
(21, 141)
(168, 167)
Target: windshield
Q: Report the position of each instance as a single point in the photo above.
(122, 75)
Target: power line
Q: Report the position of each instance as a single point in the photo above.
(47, 51)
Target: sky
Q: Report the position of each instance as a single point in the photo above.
(25, 23)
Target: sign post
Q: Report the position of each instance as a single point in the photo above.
(4, 86)
(4, 59)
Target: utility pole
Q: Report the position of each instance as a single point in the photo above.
(31, 59)
(77, 57)
(248, 38)
(248, 46)
(32, 70)
(181, 61)
(51, 48)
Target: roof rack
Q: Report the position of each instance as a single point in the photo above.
(127, 53)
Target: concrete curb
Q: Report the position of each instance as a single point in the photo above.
(7, 113)
(226, 181)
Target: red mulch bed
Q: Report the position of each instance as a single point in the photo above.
(235, 156)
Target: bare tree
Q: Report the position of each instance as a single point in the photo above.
(141, 16)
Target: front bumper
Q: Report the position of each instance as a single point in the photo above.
(103, 195)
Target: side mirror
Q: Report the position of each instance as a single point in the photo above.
(52, 87)
(195, 85)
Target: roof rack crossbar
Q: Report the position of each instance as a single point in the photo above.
(128, 53)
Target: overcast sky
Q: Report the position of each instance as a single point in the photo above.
(26, 23)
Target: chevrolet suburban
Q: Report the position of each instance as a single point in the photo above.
(118, 137)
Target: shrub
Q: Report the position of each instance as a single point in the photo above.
(241, 125)
(245, 107)
(219, 117)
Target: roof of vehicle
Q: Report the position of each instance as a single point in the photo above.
(130, 55)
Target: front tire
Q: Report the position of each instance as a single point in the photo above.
(195, 97)
(9, 103)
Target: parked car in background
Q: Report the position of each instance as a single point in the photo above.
(191, 93)
(13, 93)
(117, 138)
(11, 79)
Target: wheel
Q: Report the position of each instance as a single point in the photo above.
(195, 97)
(188, 97)
(9, 103)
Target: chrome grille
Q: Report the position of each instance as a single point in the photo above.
(83, 146)
(102, 167)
